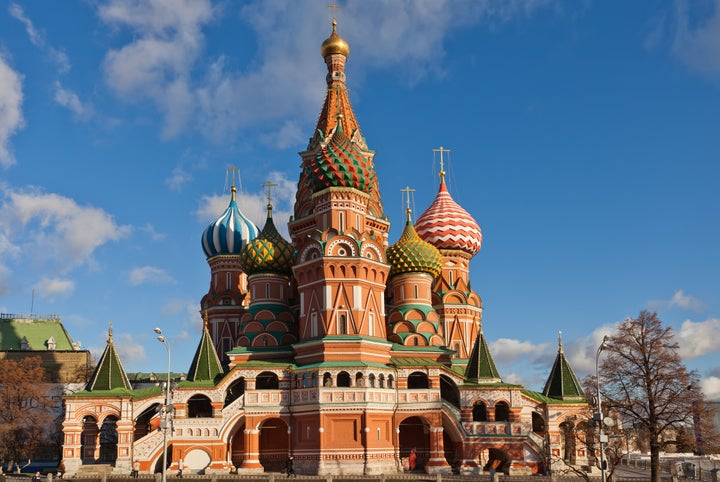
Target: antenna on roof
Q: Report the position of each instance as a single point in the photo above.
(32, 302)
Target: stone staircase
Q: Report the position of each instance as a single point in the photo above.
(94, 470)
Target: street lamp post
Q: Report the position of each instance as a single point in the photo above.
(599, 415)
(167, 408)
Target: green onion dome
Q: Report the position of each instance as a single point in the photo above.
(269, 252)
(411, 254)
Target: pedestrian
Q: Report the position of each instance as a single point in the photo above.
(36, 477)
(180, 467)
(289, 467)
(412, 460)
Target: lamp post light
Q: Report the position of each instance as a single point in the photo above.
(598, 417)
(168, 405)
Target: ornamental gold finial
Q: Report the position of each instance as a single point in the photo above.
(560, 342)
(205, 320)
(233, 189)
(110, 338)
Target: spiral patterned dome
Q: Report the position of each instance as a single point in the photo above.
(269, 252)
(230, 232)
(446, 225)
(411, 254)
(339, 163)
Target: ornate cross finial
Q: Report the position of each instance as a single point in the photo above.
(407, 192)
(269, 185)
(441, 149)
(110, 331)
(334, 8)
(560, 341)
(232, 170)
(205, 320)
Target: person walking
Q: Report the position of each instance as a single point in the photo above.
(289, 467)
(181, 466)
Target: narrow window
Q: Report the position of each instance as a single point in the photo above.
(313, 325)
(342, 325)
(228, 281)
(371, 324)
(267, 290)
(416, 291)
(357, 221)
(341, 221)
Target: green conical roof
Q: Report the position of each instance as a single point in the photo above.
(481, 366)
(562, 383)
(109, 373)
(206, 364)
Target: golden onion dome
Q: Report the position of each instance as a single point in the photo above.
(412, 254)
(334, 44)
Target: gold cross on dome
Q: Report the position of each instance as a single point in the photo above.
(441, 150)
(269, 185)
(407, 192)
(232, 170)
(334, 8)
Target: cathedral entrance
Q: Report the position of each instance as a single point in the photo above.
(89, 439)
(237, 444)
(108, 440)
(274, 444)
(415, 435)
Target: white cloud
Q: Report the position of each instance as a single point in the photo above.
(678, 300)
(55, 228)
(253, 205)
(11, 117)
(71, 101)
(509, 350)
(149, 274)
(51, 288)
(284, 81)
(697, 43)
(178, 178)
(154, 235)
(128, 348)
(697, 339)
(711, 387)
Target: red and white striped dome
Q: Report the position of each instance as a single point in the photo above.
(446, 225)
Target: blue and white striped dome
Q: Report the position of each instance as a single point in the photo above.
(229, 233)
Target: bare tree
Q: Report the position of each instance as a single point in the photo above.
(25, 419)
(645, 382)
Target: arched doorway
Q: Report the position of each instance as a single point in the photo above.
(274, 444)
(415, 434)
(237, 444)
(418, 380)
(499, 460)
(89, 438)
(108, 440)
(267, 381)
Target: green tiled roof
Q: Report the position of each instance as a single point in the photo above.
(562, 384)
(36, 330)
(206, 365)
(481, 367)
(109, 373)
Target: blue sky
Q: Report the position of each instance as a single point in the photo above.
(584, 137)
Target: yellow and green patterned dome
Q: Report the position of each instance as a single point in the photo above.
(269, 252)
(411, 254)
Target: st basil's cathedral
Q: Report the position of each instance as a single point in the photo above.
(335, 347)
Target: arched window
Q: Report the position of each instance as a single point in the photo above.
(342, 324)
(502, 412)
(418, 380)
(234, 391)
(479, 412)
(343, 379)
(267, 381)
(199, 406)
(327, 380)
